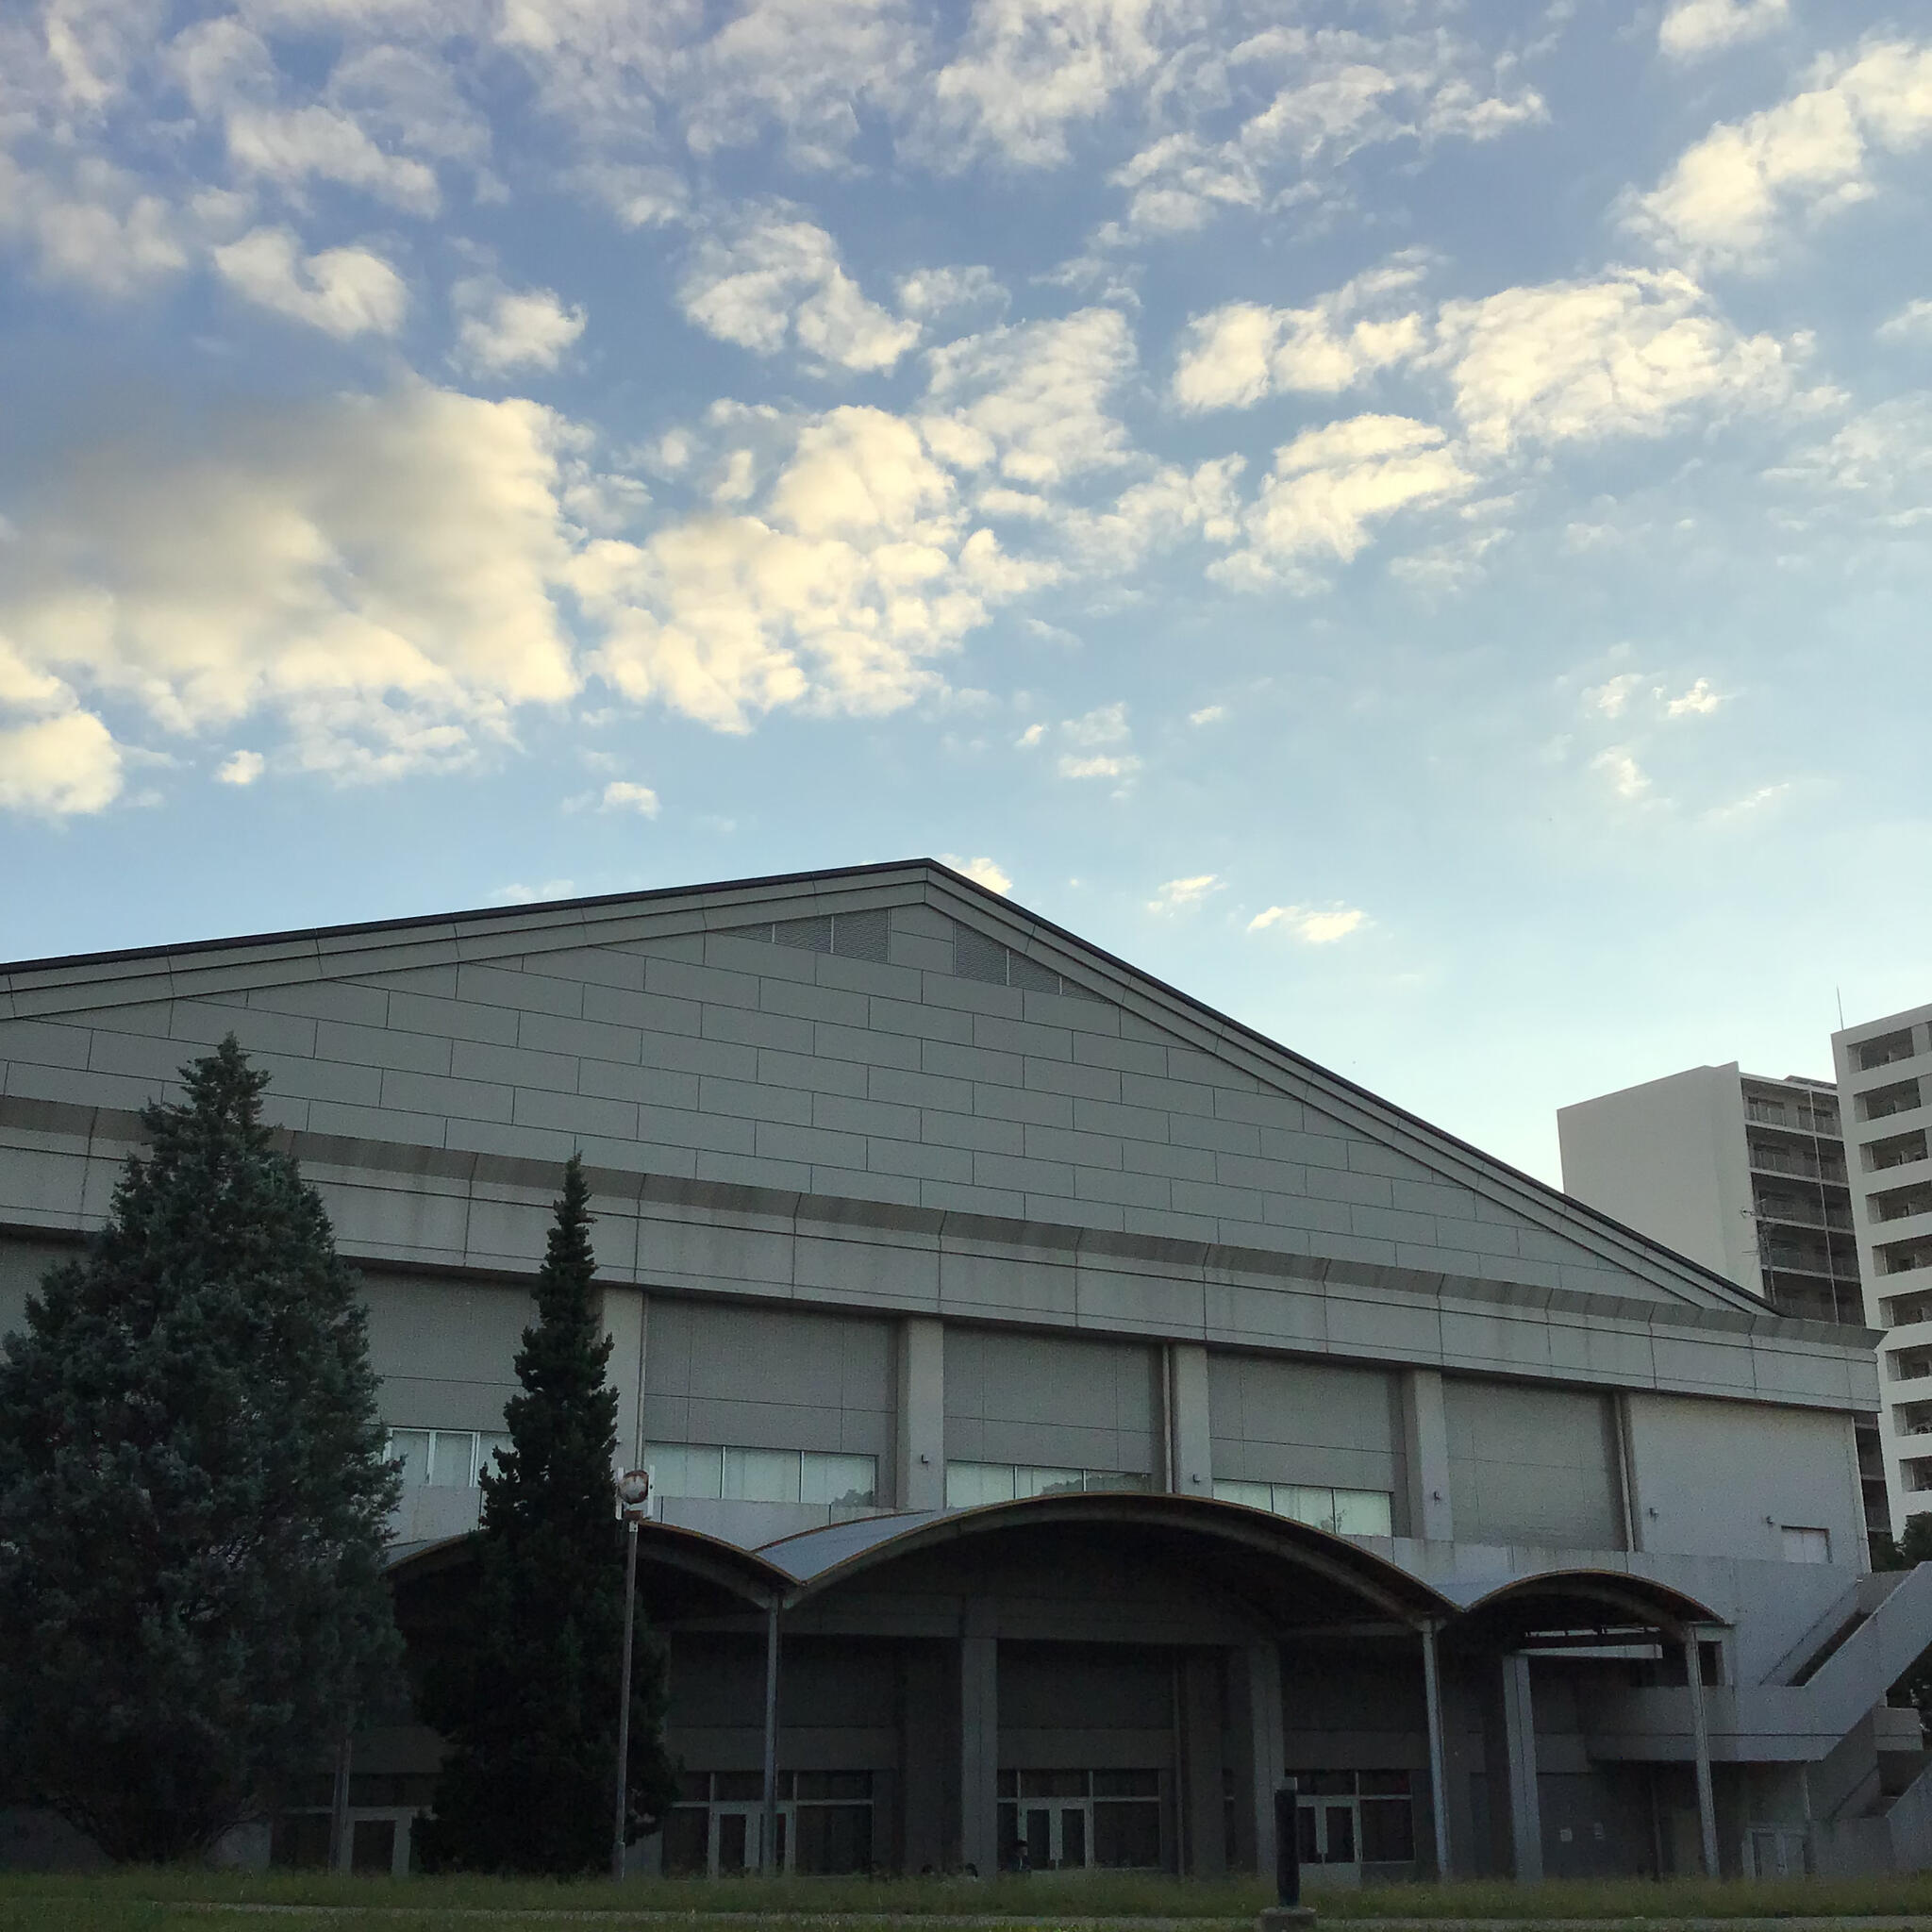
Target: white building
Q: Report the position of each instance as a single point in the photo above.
(1885, 1076)
(1743, 1174)
(1084, 1409)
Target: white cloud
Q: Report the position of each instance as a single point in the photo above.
(1099, 744)
(1913, 323)
(1625, 776)
(1180, 895)
(59, 766)
(378, 572)
(1238, 354)
(1730, 196)
(1031, 401)
(1698, 702)
(1208, 714)
(293, 146)
(527, 895)
(342, 292)
(985, 872)
(1611, 699)
(99, 227)
(1635, 353)
(1029, 739)
(623, 794)
(1882, 457)
(971, 291)
(242, 768)
(777, 278)
(1692, 29)
(1314, 926)
(1098, 765)
(1329, 485)
(507, 328)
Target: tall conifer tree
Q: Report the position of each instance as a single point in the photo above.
(528, 1693)
(192, 1493)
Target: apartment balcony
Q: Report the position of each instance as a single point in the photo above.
(1808, 1122)
(1798, 1166)
(1886, 1051)
(1788, 1213)
(1892, 1104)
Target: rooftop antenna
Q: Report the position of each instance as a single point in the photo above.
(1840, 993)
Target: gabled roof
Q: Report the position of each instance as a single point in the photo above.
(48, 989)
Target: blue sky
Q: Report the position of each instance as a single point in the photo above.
(1409, 521)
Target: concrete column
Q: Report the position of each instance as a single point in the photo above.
(920, 1480)
(979, 1743)
(768, 1851)
(1205, 1832)
(1624, 1424)
(924, 1734)
(1439, 1781)
(626, 1314)
(1425, 1456)
(1519, 1747)
(1700, 1744)
(1255, 1707)
(1190, 1434)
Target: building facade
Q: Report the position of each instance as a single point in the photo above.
(1885, 1076)
(1745, 1174)
(1070, 1411)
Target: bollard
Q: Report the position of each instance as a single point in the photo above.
(1288, 1914)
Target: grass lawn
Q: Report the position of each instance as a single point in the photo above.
(178, 1899)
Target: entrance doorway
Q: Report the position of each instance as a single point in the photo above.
(1064, 1821)
(1351, 1819)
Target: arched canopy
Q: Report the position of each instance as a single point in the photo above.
(1293, 1574)
(681, 1573)
(1580, 1607)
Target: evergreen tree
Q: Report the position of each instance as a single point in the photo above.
(528, 1693)
(192, 1493)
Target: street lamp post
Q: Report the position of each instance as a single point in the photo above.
(633, 1502)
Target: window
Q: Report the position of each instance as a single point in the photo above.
(1896, 1151)
(1882, 1051)
(972, 1485)
(1341, 1512)
(824, 1823)
(1052, 1820)
(1807, 1545)
(1884, 1101)
(1355, 1817)
(443, 1459)
(713, 1472)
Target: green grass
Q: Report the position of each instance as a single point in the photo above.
(172, 1900)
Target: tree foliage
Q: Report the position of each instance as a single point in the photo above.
(527, 1691)
(192, 1493)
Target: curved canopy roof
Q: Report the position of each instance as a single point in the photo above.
(1301, 1572)
(1581, 1606)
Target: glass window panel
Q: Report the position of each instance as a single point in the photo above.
(736, 1787)
(1126, 1784)
(1340, 1823)
(852, 1480)
(1388, 1831)
(452, 1458)
(834, 1784)
(1363, 1513)
(1316, 1507)
(969, 1485)
(489, 1447)
(734, 1834)
(1053, 1784)
(1304, 1829)
(1327, 1783)
(1073, 1838)
(687, 1840)
(1383, 1784)
(1254, 1496)
(1127, 1836)
(761, 1475)
(832, 1839)
(1046, 1482)
(1115, 1480)
(684, 1469)
(411, 1447)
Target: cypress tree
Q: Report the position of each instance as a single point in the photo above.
(526, 1695)
(192, 1493)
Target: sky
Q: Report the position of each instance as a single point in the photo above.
(1407, 520)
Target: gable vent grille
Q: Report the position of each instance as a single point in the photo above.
(976, 957)
(850, 935)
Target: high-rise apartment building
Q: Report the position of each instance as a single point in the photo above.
(1885, 1076)
(1747, 1175)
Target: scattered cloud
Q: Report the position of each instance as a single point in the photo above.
(1692, 29)
(59, 766)
(623, 794)
(1625, 776)
(986, 871)
(1611, 699)
(1208, 714)
(1733, 197)
(295, 146)
(775, 278)
(1098, 745)
(530, 895)
(1911, 323)
(1698, 702)
(240, 768)
(342, 292)
(1030, 738)
(971, 293)
(511, 329)
(1314, 926)
(1180, 895)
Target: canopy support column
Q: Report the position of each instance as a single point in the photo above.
(1700, 1740)
(1439, 1779)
